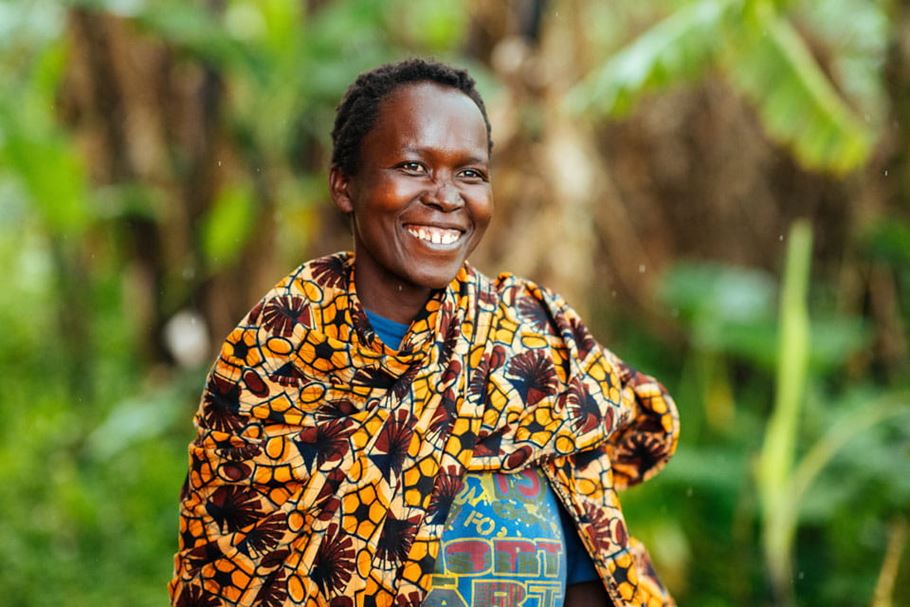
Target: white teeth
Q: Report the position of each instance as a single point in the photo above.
(434, 235)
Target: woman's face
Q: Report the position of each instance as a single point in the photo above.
(421, 198)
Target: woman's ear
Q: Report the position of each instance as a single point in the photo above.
(339, 186)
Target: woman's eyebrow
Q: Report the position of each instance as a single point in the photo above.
(471, 159)
(477, 160)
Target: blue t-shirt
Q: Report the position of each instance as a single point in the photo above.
(390, 332)
(507, 540)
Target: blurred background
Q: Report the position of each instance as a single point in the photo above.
(722, 187)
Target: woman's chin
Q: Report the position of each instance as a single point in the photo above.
(438, 277)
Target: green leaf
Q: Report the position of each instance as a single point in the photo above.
(38, 153)
(855, 35)
(729, 309)
(726, 293)
(142, 417)
(710, 469)
(677, 48)
(227, 226)
(797, 104)
(50, 171)
(850, 426)
(435, 26)
(835, 340)
(888, 241)
(189, 27)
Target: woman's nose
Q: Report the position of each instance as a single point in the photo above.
(445, 196)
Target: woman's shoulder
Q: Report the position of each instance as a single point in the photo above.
(525, 303)
(315, 278)
(514, 290)
(328, 272)
(296, 297)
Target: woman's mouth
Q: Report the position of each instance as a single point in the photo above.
(434, 234)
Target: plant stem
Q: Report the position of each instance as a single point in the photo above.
(775, 465)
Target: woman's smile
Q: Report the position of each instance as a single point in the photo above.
(444, 238)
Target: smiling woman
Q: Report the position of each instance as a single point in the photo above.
(392, 427)
(421, 198)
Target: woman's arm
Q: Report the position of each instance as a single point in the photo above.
(647, 436)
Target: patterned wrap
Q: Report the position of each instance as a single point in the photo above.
(325, 464)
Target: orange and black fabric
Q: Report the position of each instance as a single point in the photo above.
(325, 463)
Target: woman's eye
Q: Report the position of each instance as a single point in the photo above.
(412, 167)
(473, 174)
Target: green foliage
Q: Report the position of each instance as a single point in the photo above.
(889, 242)
(763, 57)
(857, 31)
(816, 436)
(38, 154)
(86, 521)
(678, 48)
(796, 102)
(727, 310)
(731, 311)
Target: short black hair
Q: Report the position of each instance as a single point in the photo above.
(356, 114)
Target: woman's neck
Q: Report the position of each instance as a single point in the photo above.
(388, 295)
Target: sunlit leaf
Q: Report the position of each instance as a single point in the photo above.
(835, 340)
(136, 419)
(188, 26)
(679, 47)
(729, 309)
(725, 292)
(50, 171)
(37, 21)
(762, 55)
(228, 226)
(855, 35)
(797, 104)
(435, 26)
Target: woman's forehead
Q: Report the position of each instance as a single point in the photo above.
(427, 115)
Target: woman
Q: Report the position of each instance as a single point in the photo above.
(350, 415)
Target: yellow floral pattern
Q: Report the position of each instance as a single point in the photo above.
(325, 463)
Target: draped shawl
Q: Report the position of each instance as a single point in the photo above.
(325, 463)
